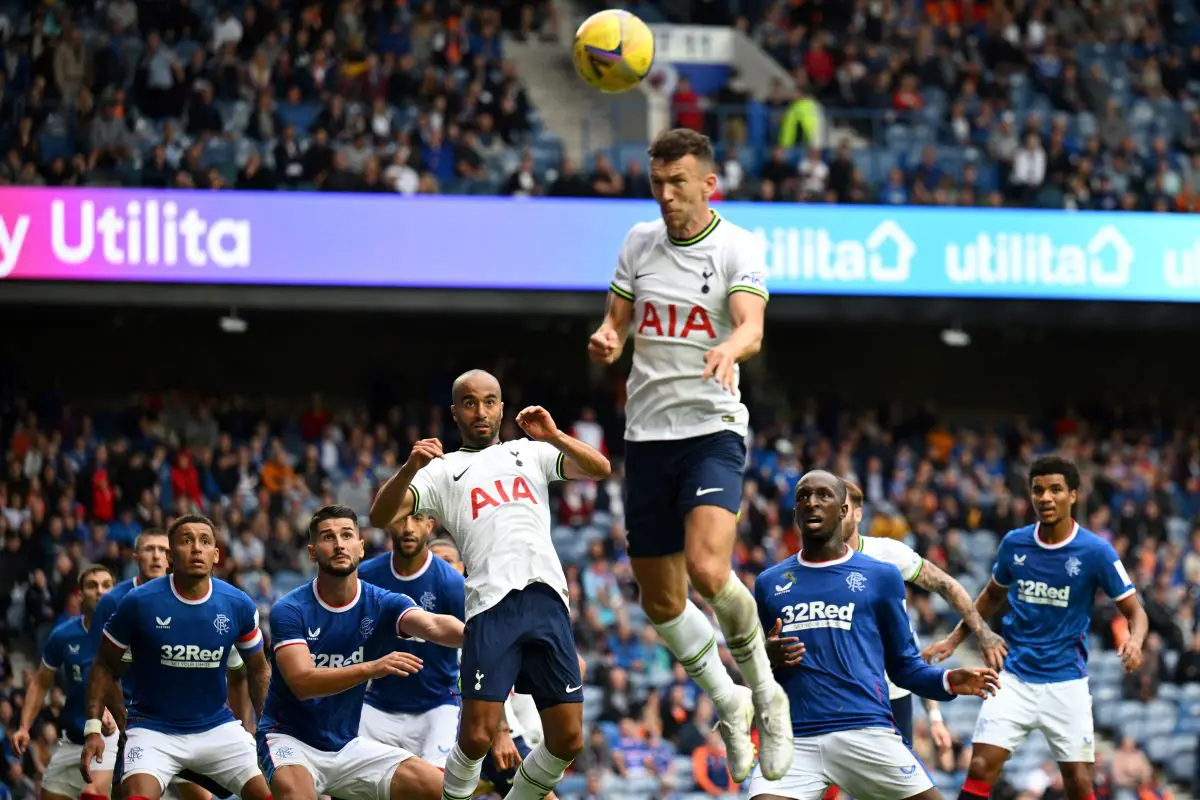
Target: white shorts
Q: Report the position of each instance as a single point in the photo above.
(62, 773)
(362, 770)
(870, 762)
(431, 734)
(226, 754)
(1062, 711)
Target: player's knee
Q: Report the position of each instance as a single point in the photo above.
(984, 768)
(709, 574)
(1077, 780)
(415, 779)
(475, 738)
(566, 743)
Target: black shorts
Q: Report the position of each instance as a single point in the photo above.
(902, 712)
(666, 480)
(501, 780)
(524, 642)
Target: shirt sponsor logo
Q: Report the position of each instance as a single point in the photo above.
(1043, 594)
(817, 614)
(335, 660)
(190, 656)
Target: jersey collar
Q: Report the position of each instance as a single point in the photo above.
(822, 564)
(699, 237)
(424, 568)
(338, 609)
(187, 600)
(1037, 527)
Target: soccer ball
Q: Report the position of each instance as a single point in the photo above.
(613, 50)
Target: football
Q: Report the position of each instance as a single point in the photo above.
(613, 50)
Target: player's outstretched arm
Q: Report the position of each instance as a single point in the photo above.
(903, 662)
(102, 685)
(442, 629)
(608, 341)
(295, 664)
(394, 500)
(990, 602)
(580, 461)
(934, 579)
(35, 697)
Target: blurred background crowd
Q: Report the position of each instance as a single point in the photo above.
(79, 483)
(1081, 104)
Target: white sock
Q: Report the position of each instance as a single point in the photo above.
(691, 639)
(462, 776)
(737, 614)
(538, 775)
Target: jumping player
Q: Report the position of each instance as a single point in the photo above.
(418, 713)
(1048, 574)
(693, 287)
(71, 649)
(152, 555)
(329, 638)
(848, 610)
(179, 629)
(494, 499)
(931, 578)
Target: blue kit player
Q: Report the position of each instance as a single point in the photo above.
(329, 638)
(692, 289)
(848, 611)
(152, 555)
(179, 630)
(69, 652)
(1048, 574)
(418, 713)
(494, 499)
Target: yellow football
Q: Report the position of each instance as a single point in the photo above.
(613, 50)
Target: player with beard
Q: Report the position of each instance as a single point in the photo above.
(494, 499)
(848, 610)
(418, 713)
(329, 638)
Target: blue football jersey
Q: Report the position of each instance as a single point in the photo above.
(850, 615)
(1051, 596)
(69, 651)
(179, 648)
(103, 613)
(439, 589)
(361, 631)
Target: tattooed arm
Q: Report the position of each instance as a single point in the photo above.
(934, 579)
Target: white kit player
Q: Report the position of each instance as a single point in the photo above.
(692, 286)
(70, 649)
(1048, 574)
(930, 577)
(179, 629)
(494, 499)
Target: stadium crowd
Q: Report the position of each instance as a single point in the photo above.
(78, 487)
(1015, 103)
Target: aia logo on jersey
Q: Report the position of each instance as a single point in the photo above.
(500, 493)
(675, 322)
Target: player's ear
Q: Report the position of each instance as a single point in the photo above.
(710, 184)
(312, 553)
(217, 557)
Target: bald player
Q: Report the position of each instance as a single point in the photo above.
(493, 497)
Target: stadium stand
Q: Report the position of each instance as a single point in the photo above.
(946, 103)
(80, 483)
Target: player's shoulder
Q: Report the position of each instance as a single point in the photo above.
(648, 232)
(446, 574)
(779, 572)
(375, 568)
(1019, 537)
(67, 629)
(373, 595)
(734, 234)
(866, 562)
(885, 548)
(1092, 542)
(298, 599)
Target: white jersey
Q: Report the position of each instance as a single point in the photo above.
(496, 504)
(680, 291)
(521, 714)
(903, 558)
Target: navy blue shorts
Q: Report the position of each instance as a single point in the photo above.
(524, 642)
(666, 480)
(501, 780)
(902, 712)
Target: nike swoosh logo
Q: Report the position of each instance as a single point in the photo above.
(459, 475)
(641, 275)
(702, 492)
(573, 689)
